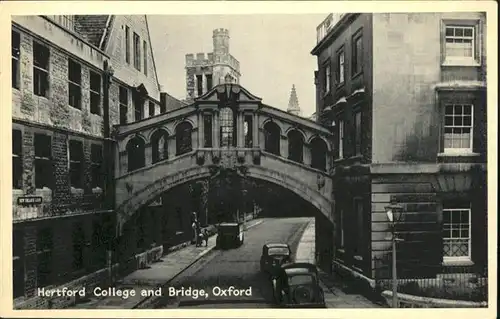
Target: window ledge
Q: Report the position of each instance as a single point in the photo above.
(459, 154)
(458, 262)
(460, 62)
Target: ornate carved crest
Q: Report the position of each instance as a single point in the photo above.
(256, 157)
(320, 181)
(215, 157)
(200, 158)
(241, 157)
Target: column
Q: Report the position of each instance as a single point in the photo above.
(255, 131)
(284, 146)
(240, 141)
(307, 154)
(215, 130)
(148, 154)
(200, 130)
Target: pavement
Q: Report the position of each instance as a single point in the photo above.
(158, 274)
(334, 296)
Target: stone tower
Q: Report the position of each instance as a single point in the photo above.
(293, 103)
(204, 71)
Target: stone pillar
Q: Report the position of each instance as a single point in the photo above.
(194, 138)
(148, 153)
(307, 155)
(172, 146)
(123, 167)
(255, 131)
(283, 146)
(240, 141)
(216, 130)
(200, 130)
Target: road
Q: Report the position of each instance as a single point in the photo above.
(238, 268)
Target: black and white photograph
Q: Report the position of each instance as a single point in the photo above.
(250, 161)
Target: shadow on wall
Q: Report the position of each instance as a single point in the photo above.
(421, 140)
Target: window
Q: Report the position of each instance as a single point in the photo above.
(43, 161)
(18, 262)
(137, 52)
(341, 138)
(227, 138)
(357, 133)
(456, 233)
(341, 67)
(76, 163)
(123, 104)
(127, 44)
(74, 82)
(183, 135)
(359, 227)
(327, 78)
(145, 52)
(209, 81)
(319, 153)
(159, 146)
(16, 50)
(96, 157)
(17, 161)
(199, 84)
(357, 55)
(248, 130)
(207, 127)
(44, 245)
(272, 138)
(78, 246)
(460, 42)
(95, 93)
(136, 154)
(40, 69)
(151, 109)
(458, 127)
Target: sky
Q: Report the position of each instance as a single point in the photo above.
(273, 51)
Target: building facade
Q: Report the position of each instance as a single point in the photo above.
(405, 95)
(204, 71)
(73, 78)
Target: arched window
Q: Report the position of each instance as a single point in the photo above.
(272, 138)
(295, 146)
(136, 154)
(319, 151)
(159, 146)
(227, 137)
(183, 138)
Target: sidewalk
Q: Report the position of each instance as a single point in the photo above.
(158, 274)
(334, 296)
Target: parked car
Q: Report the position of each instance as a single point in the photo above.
(230, 234)
(273, 256)
(297, 286)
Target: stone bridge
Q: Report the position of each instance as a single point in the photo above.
(228, 128)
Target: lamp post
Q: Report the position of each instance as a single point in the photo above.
(394, 213)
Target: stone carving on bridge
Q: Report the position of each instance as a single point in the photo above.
(241, 157)
(256, 157)
(200, 158)
(320, 181)
(215, 157)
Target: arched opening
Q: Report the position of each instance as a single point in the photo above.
(183, 133)
(272, 138)
(227, 136)
(319, 151)
(295, 146)
(159, 146)
(136, 154)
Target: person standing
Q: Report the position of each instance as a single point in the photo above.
(194, 226)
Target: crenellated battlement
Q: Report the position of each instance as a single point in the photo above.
(221, 32)
(199, 59)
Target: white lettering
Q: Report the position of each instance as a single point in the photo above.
(114, 292)
(60, 292)
(231, 291)
(187, 292)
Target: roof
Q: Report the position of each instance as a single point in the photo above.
(298, 271)
(93, 28)
(276, 245)
(228, 224)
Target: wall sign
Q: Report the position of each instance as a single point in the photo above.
(29, 200)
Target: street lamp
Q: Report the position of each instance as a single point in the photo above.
(394, 213)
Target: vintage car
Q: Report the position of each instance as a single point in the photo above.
(273, 256)
(297, 286)
(230, 234)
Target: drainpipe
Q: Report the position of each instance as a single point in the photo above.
(108, 164)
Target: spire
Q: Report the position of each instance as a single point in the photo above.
(293, 103)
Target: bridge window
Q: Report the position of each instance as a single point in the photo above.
(136, 154)
(295, 146)
(318, 154)
(123, 104)
(183, 138)
(272, 138)
(207, 127)
(227, 137)
(248, 129)
(159, 145)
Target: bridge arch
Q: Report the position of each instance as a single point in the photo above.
(272, 137)
(154, 189)
(136, 153)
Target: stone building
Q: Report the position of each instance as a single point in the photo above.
(293, 103)
(204, 71)
(405, 95)
(73, 78)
